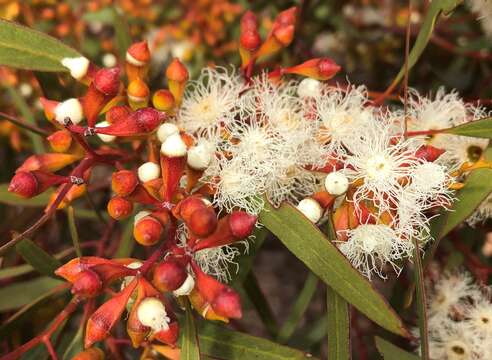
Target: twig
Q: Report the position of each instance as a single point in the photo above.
(25, 125)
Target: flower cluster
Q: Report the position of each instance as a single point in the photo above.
(460, 318)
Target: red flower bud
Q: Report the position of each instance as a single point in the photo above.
(429, 153)
(187, 207)
(163, 100)
(119, 208)
(87, 284)
(60, 141)
(90, 354)
(169, 275)
(49, 162)
(117, 113)
(148, 231)
(250, 40)
(172, 171)
(203, 222)
(228, 304)
(242, 224)
(324, 198)
(281, 34)
(107, 81)
(177, 76)
(319, 69)
(74, 267)
(139, 52)
(123, 182)
(31, 183)
(103, 319)
(137, 123)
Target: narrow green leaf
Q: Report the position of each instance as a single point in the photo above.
(21, 293)
(221, 343)
(480, 128)
(245, 261)
(306, 242)
(421, 302)
(312, 334)
(255, 295)
(122, 32)
(28, 116)
(190, 349)
(127, 243)
(8, 198)
(75, 346)
(73, 231)
(338, 326)
(39, 259)
(299, 308)
(436, 9)
(391, 352)
(25, 48)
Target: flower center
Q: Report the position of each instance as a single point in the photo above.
(378, 167)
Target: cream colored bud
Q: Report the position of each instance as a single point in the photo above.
(311, 209)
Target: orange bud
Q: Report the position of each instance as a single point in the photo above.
(90, 354)
(49, 162)
(74, 267)
(281, 34)
(117, 113)
(87, 284)
(104, 318)
(319, 69)
(324, 198)
(203, 307)
(138, 53)
(119, 208)
(123, 182)
(75, 192)
(203, 222)
(169, 275)
(60, 141)
(148, 231)
(49, 107)
(138, 94)
(186, 207)
(177, 76)
(163, 100)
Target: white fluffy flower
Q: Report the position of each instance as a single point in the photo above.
(152, 313)
(210, 101)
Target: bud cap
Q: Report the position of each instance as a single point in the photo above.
(336, 183)
(77, 66)
(311, 209)
(166, 130)
(186, 288)
(149, 171)
(199, 156)
(104, 137)
(71, 108)
(174, 146)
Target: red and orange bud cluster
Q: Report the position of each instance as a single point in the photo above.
(281, 34)
(249, 39)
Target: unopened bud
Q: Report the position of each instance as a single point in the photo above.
(147, 231)
(174, 146)
(90, 354)
(152, 313)
(188, 206)
(228, 304)
(109, 60)
(138, 91)
(77, 66)
(242, 224)
(199, 156)
(104, 137)
(319, 68)
(148, 171)
(60, 141)
(311, 209)
(87, 284)
(119, 208)
(166, 130)
(69, 109)
(123, 182)
(177, 76)
(169, 275)
(336, 183)
(203, 222)
(24, 184)
(107, 81)
(117, 113)
(138, 54)
(163, 100)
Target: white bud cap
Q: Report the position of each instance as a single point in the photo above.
(133, 61)
(310, 209)
(174, 146)
(71, 108)
(309, 88)
(109, 60)
(140, 215)
(166, 130)
(25, 89)
(186, 287)
(199, 156)
(78, 66)
(128, 279)
(104, 137)
(149, 171)
(336, 183)
(152, 313)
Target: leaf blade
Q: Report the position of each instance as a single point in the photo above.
(338, 326)
(390, 351)
(39, 259)
(189, 345)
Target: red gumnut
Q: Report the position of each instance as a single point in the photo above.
(188, 206)
(242, 224)
(87, 284)
(124, 182)
(203, 222)
(140, 122)
(169, 275)
(140, 52)
(117, 113)
(429, 153)
(119, 208)
(319, 68)
(224, 301)
(148, 231)
(31, 183)
(103, 319)
(107, 81)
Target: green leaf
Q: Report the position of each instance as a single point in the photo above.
(190, 349)
(127, 243)
(480, 128)
(245, 261)
(39, 259)
(436, 8)
(75, 346)
(306, 242)
(8, 198)
(221, 343)
(300, 306)
(421, 302)
(19, 294)
(338, 326)
(25, 48)
(391, 352)
(73, 231)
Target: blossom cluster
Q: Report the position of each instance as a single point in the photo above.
(459, 318)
